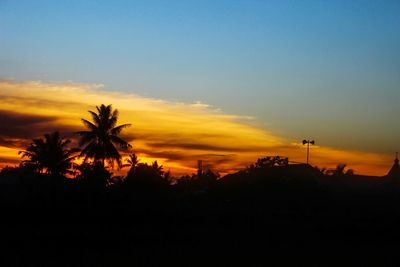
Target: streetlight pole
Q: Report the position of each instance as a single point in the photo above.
(308, 142)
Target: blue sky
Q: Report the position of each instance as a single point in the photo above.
(328, 70)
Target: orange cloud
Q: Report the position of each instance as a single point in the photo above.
(177, 134)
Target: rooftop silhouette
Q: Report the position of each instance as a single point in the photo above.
(394, 172)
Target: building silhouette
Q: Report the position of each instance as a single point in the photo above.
(394, 172)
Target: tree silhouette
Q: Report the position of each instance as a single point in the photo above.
(158, 168)
(132, 162)
(101, 139)
(147, 176)
(341, 171)
(267, 163)
(93, 175)
(197, 182)
(50, 155)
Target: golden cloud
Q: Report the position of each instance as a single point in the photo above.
(176, 134)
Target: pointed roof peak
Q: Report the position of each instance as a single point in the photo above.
(395, 170)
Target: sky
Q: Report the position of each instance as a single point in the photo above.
(227, 81)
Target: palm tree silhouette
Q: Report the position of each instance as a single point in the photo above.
(101, 139)
(132, 162)
(50, 155)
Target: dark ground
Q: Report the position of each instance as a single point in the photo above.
(260, 222)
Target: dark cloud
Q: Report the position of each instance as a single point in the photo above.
(179, 156)
(9, 161)
(170, 155)
(167, 138)
(205, 147)
(156, 136)
(17, 129)
(13, 142)
(211, 161)
(22, 125)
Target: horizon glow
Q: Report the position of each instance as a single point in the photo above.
(174, 133)
(272, 72)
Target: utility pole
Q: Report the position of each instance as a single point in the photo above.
(308, 142)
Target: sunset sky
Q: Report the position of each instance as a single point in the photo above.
(222, 81)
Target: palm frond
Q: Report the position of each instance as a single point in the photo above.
(86, 137)
(95, 117)
(119, 141)
(117, 130)
(89, 125)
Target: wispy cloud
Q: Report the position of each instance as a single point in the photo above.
(175, 133)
